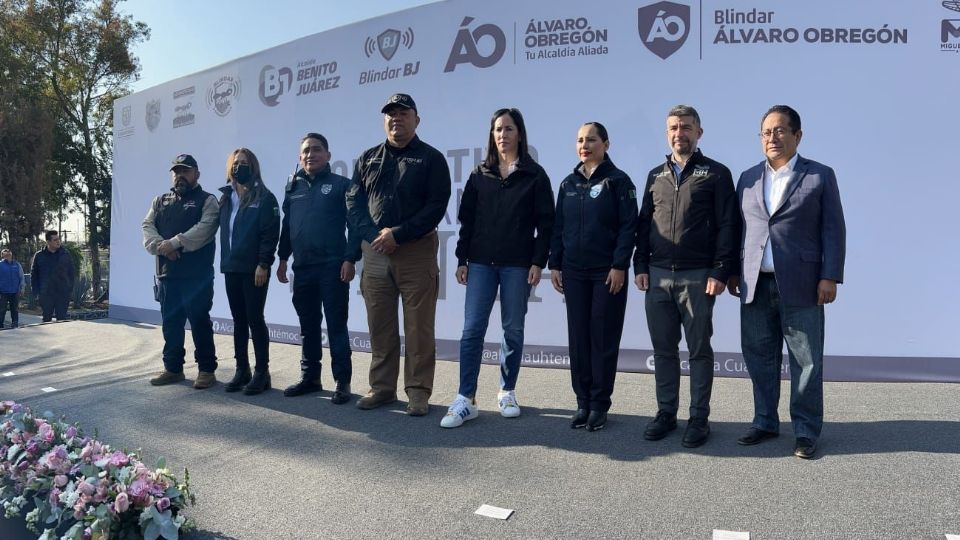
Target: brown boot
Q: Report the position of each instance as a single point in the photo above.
(205, 379)
(166, 377)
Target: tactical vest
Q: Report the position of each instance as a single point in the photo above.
(175, 214)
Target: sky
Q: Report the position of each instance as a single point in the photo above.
(187, 36)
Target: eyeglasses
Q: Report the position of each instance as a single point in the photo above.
(768, 134)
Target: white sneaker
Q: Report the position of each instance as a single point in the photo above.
(507, 400)
(461, 410)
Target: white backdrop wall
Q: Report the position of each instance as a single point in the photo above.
(875, 84)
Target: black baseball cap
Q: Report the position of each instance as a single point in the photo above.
(184, 160)
(399, 100)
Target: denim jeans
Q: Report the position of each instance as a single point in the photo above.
(182, 300)
(317, 287)
(483, 281)
(765, 324)
(678, 299)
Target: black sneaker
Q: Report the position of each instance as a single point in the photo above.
(663, 424)
(579, 419)
(597, 420)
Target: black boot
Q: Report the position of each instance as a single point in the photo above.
(307, 385)
(259, 383)
(240, 378)
(341, 395)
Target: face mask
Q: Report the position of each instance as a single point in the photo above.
(242, 173)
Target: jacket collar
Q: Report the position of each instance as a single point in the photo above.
(412, 145)
(695, 159)
(603, 170)
(324, 172)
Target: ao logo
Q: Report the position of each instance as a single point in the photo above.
(663, 27)
(465, 46)
(273, 83)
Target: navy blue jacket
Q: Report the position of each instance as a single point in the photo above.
(52, 272)
(252, 241)
(596, 220)
(314, 220)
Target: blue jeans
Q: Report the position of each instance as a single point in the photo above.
(483, 280)
(765, 324)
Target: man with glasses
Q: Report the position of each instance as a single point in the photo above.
(686, 250)
(793, 247)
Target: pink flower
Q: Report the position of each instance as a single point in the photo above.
(122, 503)
(163, 504)
(119, 459)
(139, 492)
(70, 433)
(54, 497)
(46, 432)
(85, 488)
(60, 480)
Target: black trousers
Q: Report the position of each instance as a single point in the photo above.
(54, 304)
(182, 300)
(318, 291)
(594, 327)
(10, 301)
(246, 307)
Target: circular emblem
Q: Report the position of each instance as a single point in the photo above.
(595, 191)
(326, 189)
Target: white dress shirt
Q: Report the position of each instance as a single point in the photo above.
(774, 185)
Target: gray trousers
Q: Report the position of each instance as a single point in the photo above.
(678, 299)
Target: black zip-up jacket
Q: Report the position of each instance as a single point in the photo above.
(498, 217)
(52, 272)
(252, 241)
(596, 221)
(406, 189)
(689, 222)
(314, 219)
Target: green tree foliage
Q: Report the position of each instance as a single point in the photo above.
(81, 49)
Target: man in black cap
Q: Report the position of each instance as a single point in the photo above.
(179, 229)
(398, 196)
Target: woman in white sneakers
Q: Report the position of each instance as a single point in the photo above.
(506, 222)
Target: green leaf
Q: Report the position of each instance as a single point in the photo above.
(152, 532)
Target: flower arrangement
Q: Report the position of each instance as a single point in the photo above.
(74, 487)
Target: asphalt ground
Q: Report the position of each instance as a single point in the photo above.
(266, 466)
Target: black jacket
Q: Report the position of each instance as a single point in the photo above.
(596, 221)
(314, 221)
(52, 273)
(406, 189)
(252, 241)
(176, 213)
(498, 217)
(691, 222)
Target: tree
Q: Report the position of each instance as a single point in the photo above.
(26, 139)
(83, 49)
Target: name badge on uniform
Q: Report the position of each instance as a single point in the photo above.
(595, 191)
